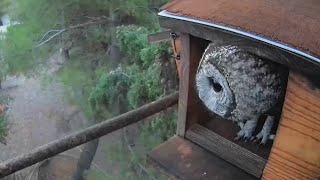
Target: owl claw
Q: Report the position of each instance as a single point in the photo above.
(264, 134)
(246, 131)
(237, 138)
(252, 138)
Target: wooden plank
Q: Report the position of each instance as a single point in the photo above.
(183, 84)
(160, 36)
(189, 110)
(182, 159)
(296, 151)
(231, 152)
(228, 130)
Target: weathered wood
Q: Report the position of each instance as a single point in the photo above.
(227, 150)
(176, 47)
(85, 135)
(189, 111)
(182, 159)
(228, 130)
(183, 84)
(291, 22)
(296, 151)
(160, 36)
(292, 60)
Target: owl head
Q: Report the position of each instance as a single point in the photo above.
(212, 86)
(236, 84)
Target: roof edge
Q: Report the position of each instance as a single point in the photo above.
(169, 4)
(167, 14)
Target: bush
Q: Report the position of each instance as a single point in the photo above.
(134, 43)
(110, 91)
(4, 100)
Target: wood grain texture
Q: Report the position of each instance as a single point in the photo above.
(176, 46)
(183, 84)
(181, 159)
(228, 130)
(296, 151)
(229, 151)
(189, 111)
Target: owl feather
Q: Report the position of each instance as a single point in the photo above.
(240, 86)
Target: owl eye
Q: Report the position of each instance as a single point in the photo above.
(215, 85)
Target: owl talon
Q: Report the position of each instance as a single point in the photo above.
(240, 124)
(252, 139)
(262, 144)
(264, 134)
(246, 131)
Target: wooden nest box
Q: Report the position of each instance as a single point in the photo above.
(203, 147)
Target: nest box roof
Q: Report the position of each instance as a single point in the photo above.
(290, 24)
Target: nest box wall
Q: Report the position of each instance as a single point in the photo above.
(295, 152)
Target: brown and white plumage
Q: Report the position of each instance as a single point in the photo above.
(240, 86)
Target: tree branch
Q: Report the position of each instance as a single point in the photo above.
(47, 34)
(94, 21)
(51, 37)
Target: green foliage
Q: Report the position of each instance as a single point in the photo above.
(97, 175)
(140, 79)
(4, 100)
(145, 70)
(4, 4)
(153, 133)
(96, 34)
(132, 40)
(78, 82)
(17, 50)
(145, 85)
(3, 128)
(160, 129)
(3, 69)
(110, 91)
(134, 43)
(138, 82)
(88, 81)
(38, 17)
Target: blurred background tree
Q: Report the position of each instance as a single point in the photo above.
(109, 66)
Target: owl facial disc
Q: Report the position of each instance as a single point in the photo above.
(214, 91)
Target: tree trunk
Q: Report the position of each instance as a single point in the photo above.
(114, 50)
(88, 152)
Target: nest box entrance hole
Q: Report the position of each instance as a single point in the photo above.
(192, 111)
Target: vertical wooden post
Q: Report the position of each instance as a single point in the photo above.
(183, 84)
(189, 112)
(296, 151)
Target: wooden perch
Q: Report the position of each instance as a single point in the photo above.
(96, 131)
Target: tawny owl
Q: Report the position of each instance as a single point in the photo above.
(241, 87)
